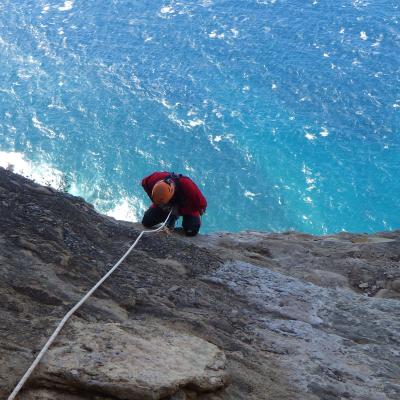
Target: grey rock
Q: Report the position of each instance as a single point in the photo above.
(387, 294)
(47, 394)
(245, 316)
(142, 360)
(396, 285)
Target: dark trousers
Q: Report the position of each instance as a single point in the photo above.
(155, 215)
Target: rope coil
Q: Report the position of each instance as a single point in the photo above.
(74, 309)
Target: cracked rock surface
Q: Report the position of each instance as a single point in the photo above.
(131, 360)
(222, 316)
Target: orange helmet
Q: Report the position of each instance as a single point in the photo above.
(162, 192)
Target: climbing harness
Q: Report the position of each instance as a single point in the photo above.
(75, 308)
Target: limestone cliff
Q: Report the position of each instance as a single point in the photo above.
(224, 316)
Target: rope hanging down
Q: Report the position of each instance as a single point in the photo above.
(75, 308)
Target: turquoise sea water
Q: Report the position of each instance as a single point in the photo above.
(286, 113)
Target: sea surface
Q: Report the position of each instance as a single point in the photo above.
(286, 113)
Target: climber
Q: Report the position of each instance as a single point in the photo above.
(169, 191)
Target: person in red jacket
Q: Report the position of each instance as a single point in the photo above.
(169, 191)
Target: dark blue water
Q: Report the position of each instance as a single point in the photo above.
(286, 113)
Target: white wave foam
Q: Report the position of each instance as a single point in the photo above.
(42, 173)
(310, 136)
(187, 166)
(378, 41)
(185, 124)
(68, 4)
(235, 32)
(196, 122)
(215, 35)
(43, 128)
(324, 132)
(127, 209)
(146, 155)
(308, 199)
(250, 195)
(360, 3)
(166, 10)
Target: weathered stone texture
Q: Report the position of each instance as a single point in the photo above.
(250, 316)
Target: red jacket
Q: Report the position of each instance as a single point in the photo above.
(187, 197)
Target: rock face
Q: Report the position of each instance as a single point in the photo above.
(223, 316)
(131, 361)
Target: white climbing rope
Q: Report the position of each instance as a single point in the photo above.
(72, 311)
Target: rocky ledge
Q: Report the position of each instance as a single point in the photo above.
(223, 316)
